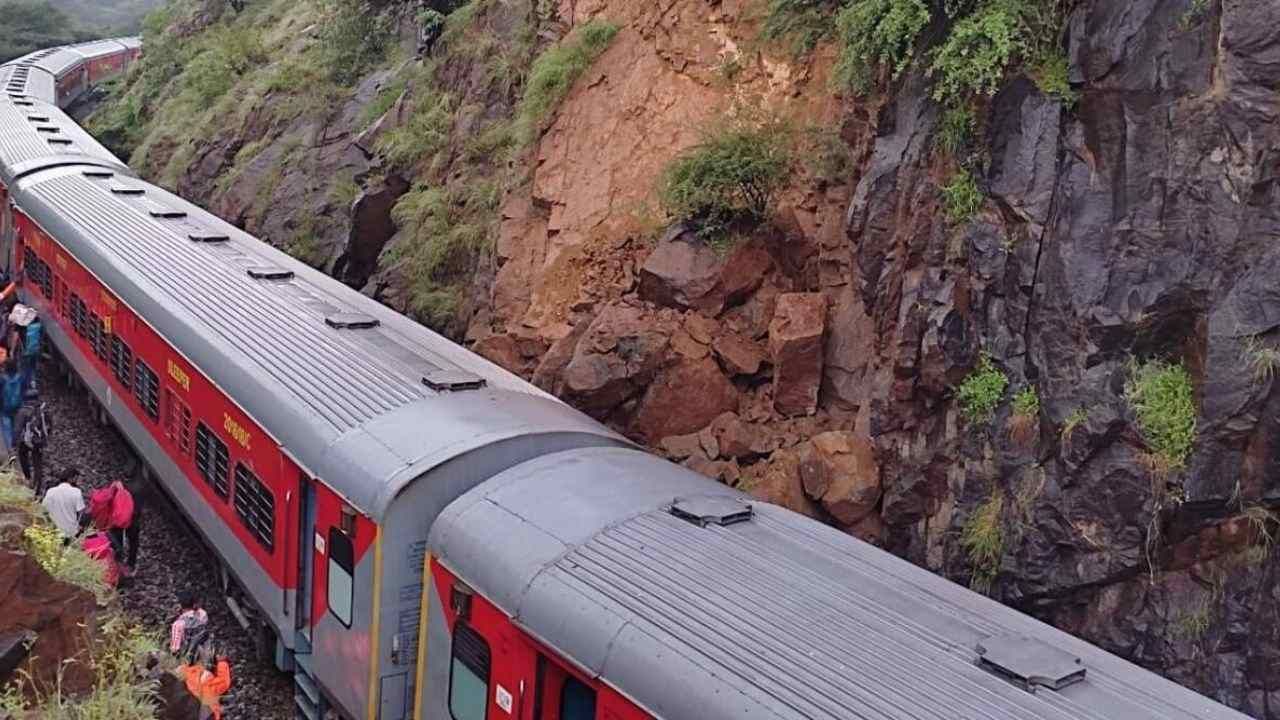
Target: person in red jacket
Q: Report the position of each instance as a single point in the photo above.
(112, 510)
(208, 681)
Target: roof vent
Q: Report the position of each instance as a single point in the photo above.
(444, 380)
(208, 237)
(1029, 663)
(59, 141)
(126, 190)
(169, 213)
(270, 272)
(47, 128)
(24, 103)
(711, 510)
(351, 321)
(99, 174)
(38, 118)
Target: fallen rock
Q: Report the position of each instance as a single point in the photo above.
(684, 271)
(617, 357)
(738, 355)
(795, 344)
(738, 439)
(679, 447)
(839, 470)
(725, 471)
(684, 399)
(778, 482)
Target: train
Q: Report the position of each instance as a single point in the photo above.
(414, 532)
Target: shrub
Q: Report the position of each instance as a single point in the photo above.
(1052, 76)
(733, 173)
(975, 54)
(1073, 421)
(805, 23)
(982, 390)
(830, 159)
(353, 39)
(1161, 396)
(961, 197)
(555, 71)
(440, 241)
(1263, 361)
(68, 563)
(954, 129)
(877, 33)
(385, 99)
(983, 540)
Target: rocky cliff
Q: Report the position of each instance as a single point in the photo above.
(1028, 341)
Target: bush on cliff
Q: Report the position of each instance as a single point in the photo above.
(981, 392)
(1163, 400)
(875, 34)
(353, 38)
(555, 71)
(733, 174)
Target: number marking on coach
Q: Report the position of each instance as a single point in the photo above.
(179, 376)
(239, 433)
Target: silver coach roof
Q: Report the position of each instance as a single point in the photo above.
(778, 616)
(35, 135)
(59, 62)
(97, 48)
(351, 405)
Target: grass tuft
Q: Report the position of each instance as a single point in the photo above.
(961, 198)
(982, 390)
(1026, 413)
(983, 540)
(1162, 398)
(1073, 421)
(554, 72)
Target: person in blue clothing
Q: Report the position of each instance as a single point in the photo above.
(27, 325)
(10, 402)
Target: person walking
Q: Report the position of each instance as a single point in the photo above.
(10, 403)
(31, 430)
(65, 504)
(26, 323)
(111, 508)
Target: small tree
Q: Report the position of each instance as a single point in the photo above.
(734, 173)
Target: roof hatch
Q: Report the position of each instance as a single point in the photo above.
(351, 321)
(451, 380)
(711, 510)
(1029, 663)
(270, 272)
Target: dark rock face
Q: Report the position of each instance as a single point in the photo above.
(1140, 223)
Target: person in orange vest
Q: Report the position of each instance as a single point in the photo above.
(208, 681)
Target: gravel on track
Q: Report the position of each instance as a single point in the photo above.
(170, 558)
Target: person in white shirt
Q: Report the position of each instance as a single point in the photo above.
(65, 503)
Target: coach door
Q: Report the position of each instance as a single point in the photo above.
(307, 548)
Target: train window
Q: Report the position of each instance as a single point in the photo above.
(78, 316)
(255, 506)
(46, 279)
(121, 362)
(468, 674)
(212, 461)
(67, 298)
(177, 422)
(146, 388)
(92, 331)
(103, 346)
(342, 570)
(577, 701)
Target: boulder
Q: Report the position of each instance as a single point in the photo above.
(738, 355)
(683, 271)
(725, 471)
(617, 357)
(795, 345)
(839, 470)
(679, 447)
(738, 439)
(778, 482)
(683, 399)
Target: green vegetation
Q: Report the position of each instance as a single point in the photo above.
(554, 72)
(353, 39)
(802, 23)
(732, 174)
(830, 160)
(1026, 413)
(1196, 11)
(981, 392)
(1193, 624)
(1073, 421)
(1052, 76)
(1162, 398)
(30, 25)
(877, 33)
(955, 129)
(961, 197)
(980, 46)
(441, 241)
(386, 98)
(424, 133)
(983, 541)
(227, 56)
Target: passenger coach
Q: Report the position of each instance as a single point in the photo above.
(415, 532)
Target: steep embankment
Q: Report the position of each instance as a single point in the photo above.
(1012, 314)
